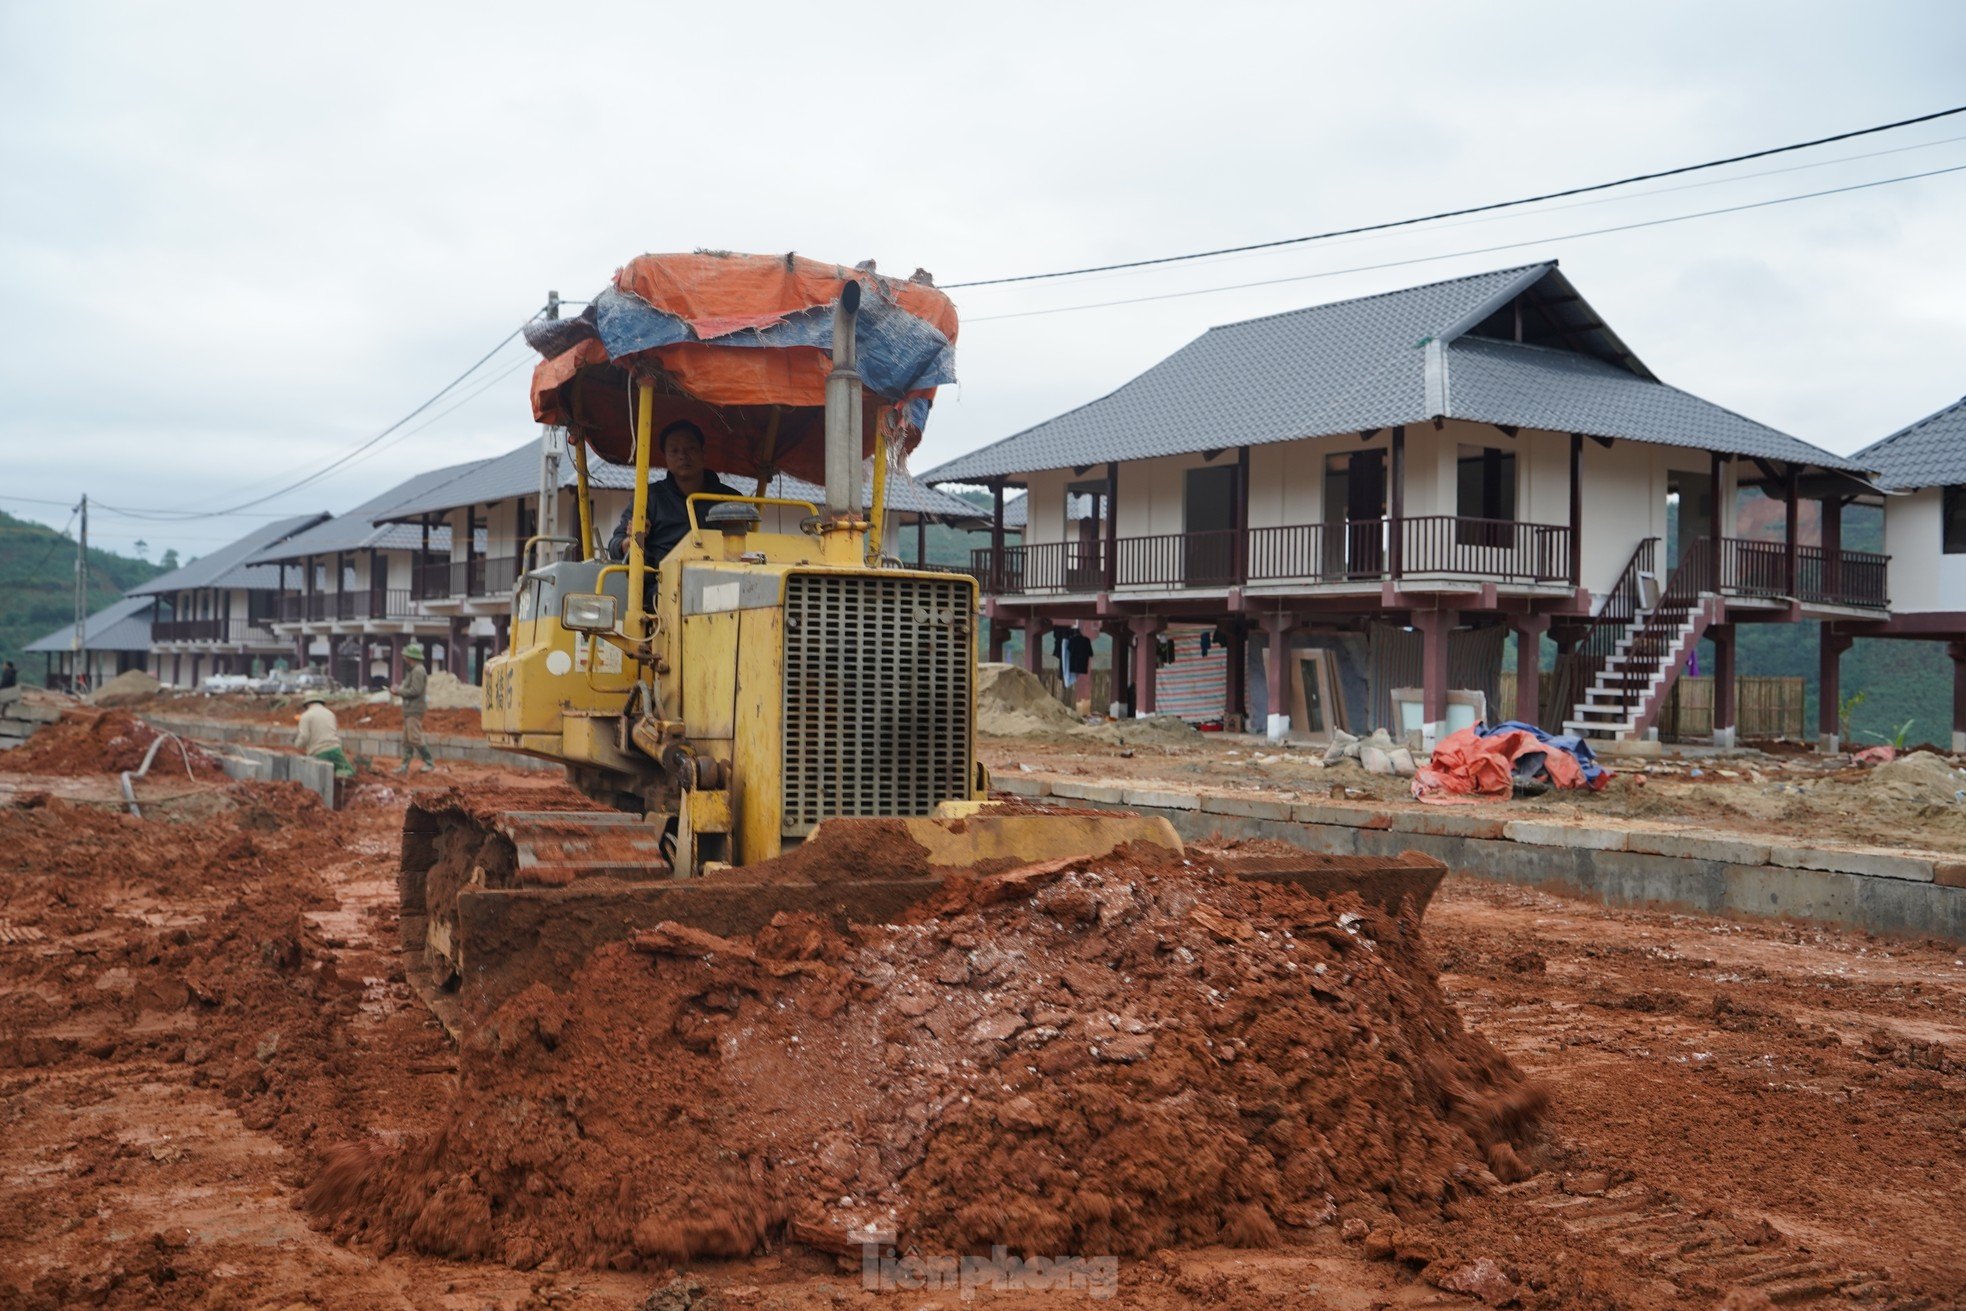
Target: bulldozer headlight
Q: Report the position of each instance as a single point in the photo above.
(587, 612)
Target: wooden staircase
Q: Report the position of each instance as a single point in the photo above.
(1636, 652)
(1625, 699)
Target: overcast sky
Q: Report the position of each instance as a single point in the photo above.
(236, 240)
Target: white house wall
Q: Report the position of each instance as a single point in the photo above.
(1624, 497)
(1923, 577)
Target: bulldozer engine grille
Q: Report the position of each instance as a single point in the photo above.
(877, 696)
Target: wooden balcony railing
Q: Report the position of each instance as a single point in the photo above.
(1760, 568)
(1432, 547)
(1343, 551)
(1854, 578)
(395, 603)
(210, 630)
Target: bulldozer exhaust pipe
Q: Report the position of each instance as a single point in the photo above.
(843, 411)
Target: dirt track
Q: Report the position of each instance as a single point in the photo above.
(191, 1015)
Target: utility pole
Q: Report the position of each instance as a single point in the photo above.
(78, 653)
(552, 442)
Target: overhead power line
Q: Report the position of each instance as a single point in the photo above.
(166, 515)
(1471, 209)
(1456, 254)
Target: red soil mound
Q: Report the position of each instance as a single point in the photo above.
(1101, 1059)
(87, 741)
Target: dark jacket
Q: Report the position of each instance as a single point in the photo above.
(1078, 653)
(668, 517)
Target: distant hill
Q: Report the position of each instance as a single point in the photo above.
(37, 585)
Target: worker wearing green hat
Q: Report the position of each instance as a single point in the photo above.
(414, 690)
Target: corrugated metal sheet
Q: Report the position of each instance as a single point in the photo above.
(1363, 363)
(1474, 663)
(516, 473)
(122, 625)
(1929, 453)
(227, 566)
(357, 529)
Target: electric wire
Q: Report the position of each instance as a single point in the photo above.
(162, 515)
(1557, 209)
(1471, 209)
(1457, 254)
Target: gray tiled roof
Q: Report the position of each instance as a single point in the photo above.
(1562, 391)
(1401, 357)
(1929, 453)
(122, 625)
(227, 566)
(357, 530)
(516, 473)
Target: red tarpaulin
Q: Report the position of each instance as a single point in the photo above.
(1467, 764)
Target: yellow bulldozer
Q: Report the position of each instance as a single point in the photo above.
(751, 690)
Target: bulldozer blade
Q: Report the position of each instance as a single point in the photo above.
(495, 901)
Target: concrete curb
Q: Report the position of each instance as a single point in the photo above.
(379, 744)
(1900, 893)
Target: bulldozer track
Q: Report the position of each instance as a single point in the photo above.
(1694, 1249)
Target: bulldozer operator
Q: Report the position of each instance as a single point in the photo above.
(668, 505)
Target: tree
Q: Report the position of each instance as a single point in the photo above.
(170, 558)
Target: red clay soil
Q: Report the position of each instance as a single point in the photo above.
(1109, 1058)
(87, 741)
(389, 718)
(197, 1019)
(353, 716)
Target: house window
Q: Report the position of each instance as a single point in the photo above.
(1485, 489)
(1955, 520)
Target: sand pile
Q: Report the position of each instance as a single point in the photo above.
(446, 691)
(1919, 779)
(127, 688)
(1096, 1058)
(89, 741)
(1011, 702)
(1163, 730)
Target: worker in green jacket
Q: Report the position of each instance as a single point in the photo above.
(414, 689)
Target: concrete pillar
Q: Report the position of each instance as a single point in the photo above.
(1236, 652)
(1957, 650)
(1723, 684)
(455, 654)
(1037, 635)
(1277, 680)
(999, 636)
(1529, 630)
(1829, 699)
(396, 644)
(501, 634)
(1146, 664)
(1122, 658)
(1434, 626)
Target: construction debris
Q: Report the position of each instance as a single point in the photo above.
(1377, 754)
(25, 711)
(446, 691)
